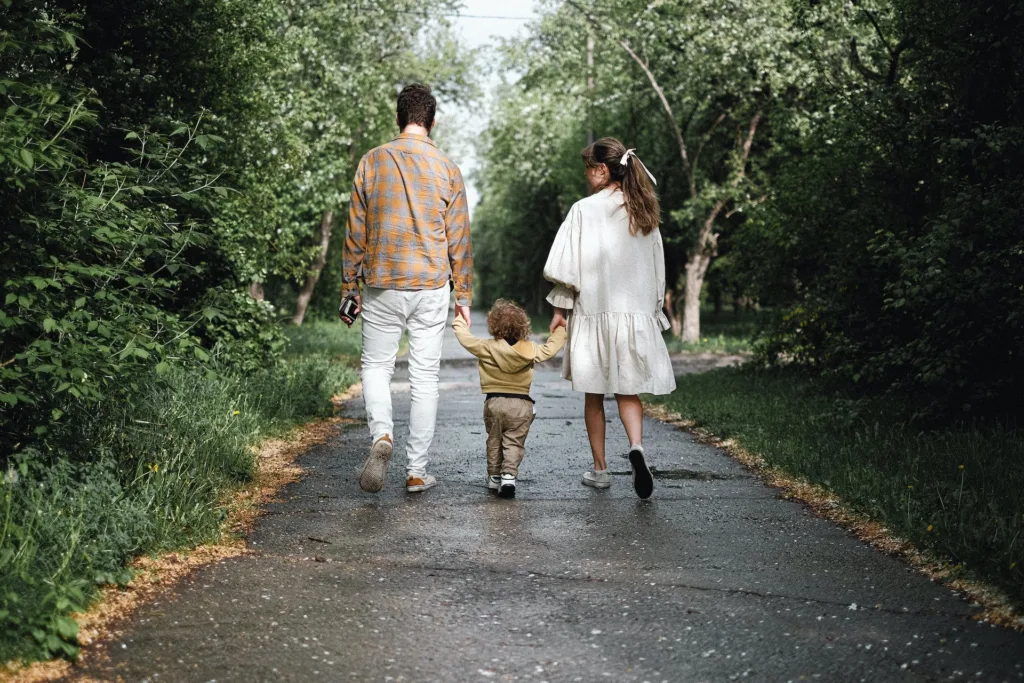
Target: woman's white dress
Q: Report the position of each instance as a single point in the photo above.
(614, 284)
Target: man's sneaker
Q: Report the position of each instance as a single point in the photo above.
(643, 480)
(508, 486)
(420, 482)
(494, 481)
(371, 477)
(598, 480)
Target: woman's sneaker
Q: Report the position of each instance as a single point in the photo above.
(598, 480)
(371, 477)
(508, 486)
(643, 480)
(494, 481)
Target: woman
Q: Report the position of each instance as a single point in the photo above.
(608, 266)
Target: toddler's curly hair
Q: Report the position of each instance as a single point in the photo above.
(508, 321)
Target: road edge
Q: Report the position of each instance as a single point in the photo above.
(996, 608)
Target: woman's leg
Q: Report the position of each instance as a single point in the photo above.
(631, 412)
(593, 413)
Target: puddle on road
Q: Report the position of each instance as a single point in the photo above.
(693, 475)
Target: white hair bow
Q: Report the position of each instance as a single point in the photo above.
(632, 153)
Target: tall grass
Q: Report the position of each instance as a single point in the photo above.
(146, 477)
(955, 491)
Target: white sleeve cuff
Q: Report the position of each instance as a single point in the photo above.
(562, 297)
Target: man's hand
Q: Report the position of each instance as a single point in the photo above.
(359, 309)
(463, 311)
(557, 320)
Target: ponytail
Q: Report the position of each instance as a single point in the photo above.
(639, 197)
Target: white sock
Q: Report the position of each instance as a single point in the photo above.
(601, 471)
(637, 447)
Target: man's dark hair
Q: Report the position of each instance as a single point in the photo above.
(416, 105)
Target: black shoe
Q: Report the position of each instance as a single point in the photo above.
(643, 480)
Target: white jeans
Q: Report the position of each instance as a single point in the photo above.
(386, 314)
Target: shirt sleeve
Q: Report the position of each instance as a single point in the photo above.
(460, 244)
(475, 346)
(554, 343)
(355, 235)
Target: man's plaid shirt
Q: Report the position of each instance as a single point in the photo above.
(408, 225)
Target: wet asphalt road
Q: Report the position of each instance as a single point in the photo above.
(713, 579)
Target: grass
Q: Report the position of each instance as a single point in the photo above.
(147, 477)
(725, 332)
(953, 491)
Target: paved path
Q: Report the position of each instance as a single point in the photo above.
(713, 579)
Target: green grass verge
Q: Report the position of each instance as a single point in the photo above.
(147, 477)
(953, 491)
(725, 332)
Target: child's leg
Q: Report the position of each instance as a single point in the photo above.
(517, 427)
(631, 412)
(594, 417)
(492, 423)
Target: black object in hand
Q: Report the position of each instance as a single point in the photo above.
(349, 310)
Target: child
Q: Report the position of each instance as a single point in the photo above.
(506, 372)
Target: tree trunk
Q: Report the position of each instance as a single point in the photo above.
(696, 268)
(318, 266)
(256, 290)
(719, 301)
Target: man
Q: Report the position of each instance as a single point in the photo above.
(408, 236)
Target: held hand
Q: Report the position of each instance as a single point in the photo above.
(359, 309)
(557, 320)
(463, 312)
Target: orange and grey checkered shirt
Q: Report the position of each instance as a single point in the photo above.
(408, 225)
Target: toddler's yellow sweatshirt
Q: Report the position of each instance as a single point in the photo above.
(505, 368)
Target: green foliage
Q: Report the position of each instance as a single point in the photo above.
(892, 249)
(157, 160)
(152, 480)
(954, 491)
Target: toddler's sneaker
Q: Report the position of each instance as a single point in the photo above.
(494, 481)
(508, 486)
(597, 480)
(416, 483)
(643, 480)
(371, 477)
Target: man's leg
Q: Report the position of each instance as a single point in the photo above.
(383, 321)
(426, 323)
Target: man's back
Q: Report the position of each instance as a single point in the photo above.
(409, 220)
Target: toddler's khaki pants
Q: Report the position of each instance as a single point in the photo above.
(508, 422)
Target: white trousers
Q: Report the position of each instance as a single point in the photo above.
(386, 314)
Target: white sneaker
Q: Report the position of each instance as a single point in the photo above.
(494, 481)
(371, 477)
(508, 486)
(598, 480)
(416, 483)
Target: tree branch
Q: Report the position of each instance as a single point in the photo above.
(676, 130)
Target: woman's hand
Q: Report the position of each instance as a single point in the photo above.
(557, 320)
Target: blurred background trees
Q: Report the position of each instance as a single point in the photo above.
(852, 167)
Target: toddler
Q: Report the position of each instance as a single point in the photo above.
(506, 373)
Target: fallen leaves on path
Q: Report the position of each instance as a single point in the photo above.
(995, 607)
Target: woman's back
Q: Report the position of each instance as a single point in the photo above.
(619, 270)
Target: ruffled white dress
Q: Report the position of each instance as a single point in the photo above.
(614, 284)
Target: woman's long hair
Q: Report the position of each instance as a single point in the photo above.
(637, 189)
